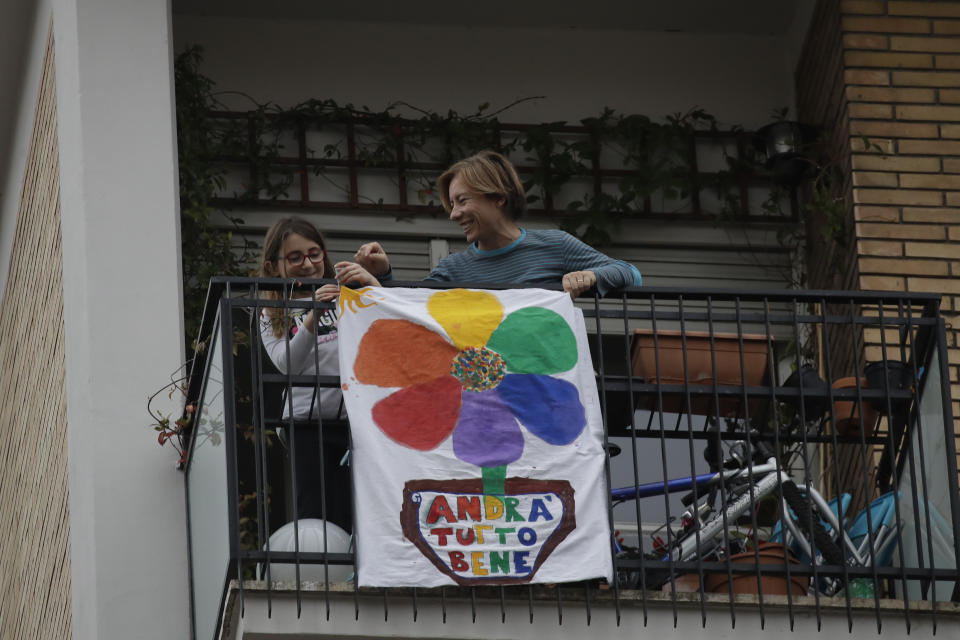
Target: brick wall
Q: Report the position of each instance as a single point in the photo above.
(34, 519)
(895, 112)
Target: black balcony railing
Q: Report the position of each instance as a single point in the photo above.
(818, 423)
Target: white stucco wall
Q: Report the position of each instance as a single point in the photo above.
(738, 78)
(122, 308)
(23, 38)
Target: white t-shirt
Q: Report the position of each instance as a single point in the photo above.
(308, 354)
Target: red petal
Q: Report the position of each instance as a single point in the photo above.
(421, 416)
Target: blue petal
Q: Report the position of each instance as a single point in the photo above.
(548, 407)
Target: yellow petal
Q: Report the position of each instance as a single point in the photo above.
(468, 317)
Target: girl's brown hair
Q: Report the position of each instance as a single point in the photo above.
(278, 232)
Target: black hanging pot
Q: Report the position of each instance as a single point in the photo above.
(814, 394)
(899, 377)
(784, 144)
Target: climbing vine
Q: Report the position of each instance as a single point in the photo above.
(229, 159)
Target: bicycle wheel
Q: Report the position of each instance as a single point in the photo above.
(809, 524)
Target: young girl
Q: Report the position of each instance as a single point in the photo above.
(304, 342)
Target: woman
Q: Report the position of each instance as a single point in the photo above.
(484, 195)
(304, 342)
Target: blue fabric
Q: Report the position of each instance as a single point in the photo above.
(536, 257)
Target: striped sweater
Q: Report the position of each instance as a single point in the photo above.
(536, 257)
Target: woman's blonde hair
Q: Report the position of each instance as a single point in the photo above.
(278, 232)
(488, 173)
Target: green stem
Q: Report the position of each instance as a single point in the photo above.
(493, 479)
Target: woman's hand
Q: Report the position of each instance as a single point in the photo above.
(576, 282)
(353, 273)
(373, 258)
(347, 273)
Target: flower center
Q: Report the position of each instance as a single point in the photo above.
(478, 368)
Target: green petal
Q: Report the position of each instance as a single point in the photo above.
(535, 340)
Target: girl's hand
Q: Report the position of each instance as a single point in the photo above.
(326, 293)
(353, 273)
(576, 282)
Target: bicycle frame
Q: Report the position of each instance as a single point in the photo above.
(765, 479)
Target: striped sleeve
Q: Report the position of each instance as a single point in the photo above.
(611, 274)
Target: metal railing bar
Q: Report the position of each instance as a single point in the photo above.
(804, 442)
(229, 436)
(910, 347)
(828, 371)
(723, 489)
(891, 449)
(606, 462)
(855, 355)
(260, 455)
(663, 455)
(689, 432)
(793, 296)
(635, 463)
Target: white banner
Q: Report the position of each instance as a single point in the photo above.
(477, 438)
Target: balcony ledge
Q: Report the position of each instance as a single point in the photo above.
(279, 611)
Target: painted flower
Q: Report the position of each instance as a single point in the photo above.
(487, 375)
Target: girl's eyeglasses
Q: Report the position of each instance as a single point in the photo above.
(296, 258)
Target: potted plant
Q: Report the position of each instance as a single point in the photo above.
(785, 145)
(846, 413)
(768, 553)
(667, 348)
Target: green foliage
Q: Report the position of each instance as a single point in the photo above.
(207, 251)
(656, 159)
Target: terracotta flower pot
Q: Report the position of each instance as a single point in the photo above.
(845, 412)
(669, 346)
(769, 553)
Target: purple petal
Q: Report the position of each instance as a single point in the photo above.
(487, 435)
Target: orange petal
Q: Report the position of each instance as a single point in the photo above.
(399, 353)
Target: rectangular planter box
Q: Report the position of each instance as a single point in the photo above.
(700, 366)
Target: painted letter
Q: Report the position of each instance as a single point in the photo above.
(527, 536)
(493, 506)
(440, 509)
(465, 536)
(441, 533)
(469, 506)
(499, 562)
(480, 529)
(502, 532)
(539, 510)
(520, 562)
(478, 569)
(511, 507)
(456, 561)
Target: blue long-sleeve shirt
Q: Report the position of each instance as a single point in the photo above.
(537, 256)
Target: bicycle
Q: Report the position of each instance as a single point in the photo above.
(809, 525)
